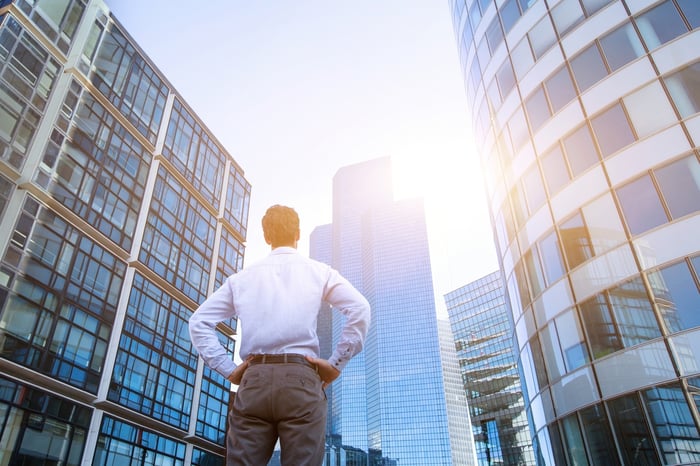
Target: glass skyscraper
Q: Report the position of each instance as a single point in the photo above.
(483, 335)
(119, 213)
(389, 403)
(586, 115)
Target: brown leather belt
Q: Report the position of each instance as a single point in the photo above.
(285, 358)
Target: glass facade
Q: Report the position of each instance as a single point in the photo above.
(482, 330)
(587, 120)
(122, 212)
(388, 406)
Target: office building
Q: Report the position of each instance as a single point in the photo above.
(388, 406)
(119, 213)
(483, 335)
(458, 418)
(585, 114)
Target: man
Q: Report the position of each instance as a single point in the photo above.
(281, 379)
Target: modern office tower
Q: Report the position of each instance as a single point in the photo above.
(585, 114)
(483, 335)
(120, 212)
(459, 422)
(388, 406)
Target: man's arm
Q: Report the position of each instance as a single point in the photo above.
(349, 302)
(202, 325)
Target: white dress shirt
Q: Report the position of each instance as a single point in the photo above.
(277, 301)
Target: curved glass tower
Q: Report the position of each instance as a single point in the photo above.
(586, 116)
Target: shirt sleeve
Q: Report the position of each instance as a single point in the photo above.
(349, 302)
(202, 324)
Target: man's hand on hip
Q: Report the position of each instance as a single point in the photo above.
(236, 376)
(326, 371)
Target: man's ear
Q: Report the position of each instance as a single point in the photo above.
(298, 235)
(267, 239)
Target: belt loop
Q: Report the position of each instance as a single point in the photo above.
(285, 358)
(264, 356)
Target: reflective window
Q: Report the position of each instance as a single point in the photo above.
(621, 46)
(576, 240)
(580, 150)
(505, 78)
(631, 430)
(237, 201)
(494, 34)
(179, 238)
(123, 443)
(57, 19)
(612, 130)
(58, 310)
(575, 449)
(560, 89)
(6, 188)
(195, 154)
(152, 374)
(99, 171)
(509, 13)
(603, 224)
(517, 126)
(601, 445)
(522, 58)
(537, 109)
(641, 205)
(677, 297)
(213, 407)
(551, 257)
(633, 312)
(571, 340)
(533, 186)
(680, 185)
(131, 84)
(556, 173)
(673, 424)
(603, 335)
(534, 273)
(542, 37)
(588, 67)
(661, 24)
(691, 12)
(684, 89)
(230, 259)
(592, 6)
(27, 76)
(566, 15)
(638, 104)
(204, 458)
(39, 428)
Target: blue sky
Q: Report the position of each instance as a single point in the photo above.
(296, 89)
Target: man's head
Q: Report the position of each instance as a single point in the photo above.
(281, 226)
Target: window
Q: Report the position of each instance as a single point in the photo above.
(603, 224)
(638, 104)
(621, 46)
(571, 340)
(588, 67)
(522, 58)
(542, 36)
(537, 109)
(691, 11)
(576, 241)
(580, 151)
(641, 205)
(600, 326)
(680, 185)
(592, 6)
(560, 89)
(494, 34)
(633, 312)
(676, 294)
(566, 15)
(551, 257)
(684, 87)
(533, 188)
(612, 130)
(661, 24)
(631, 430)
(673, 424)
(518, 129)
(575, 450)
(556, 174)
(505, 78)
(510, 14)
(596, 430)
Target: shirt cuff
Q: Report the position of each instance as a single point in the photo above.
(226, 368)
(340, 359)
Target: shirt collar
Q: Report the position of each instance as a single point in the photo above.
(284, 250)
